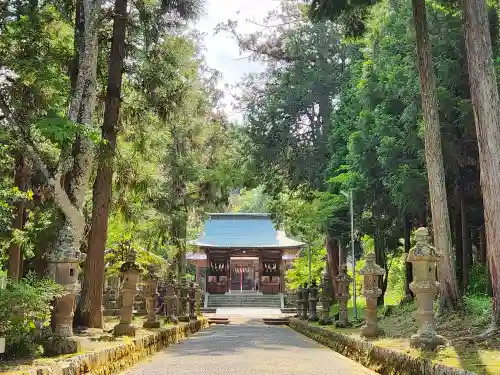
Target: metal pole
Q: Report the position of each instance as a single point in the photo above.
(309, 262)
(355, 310)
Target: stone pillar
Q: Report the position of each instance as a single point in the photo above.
(325, 300)
(313, 301)
(183, 301)
(343, 280)
(171, 304)
(371, 273)
(151, 295)
(424, 259)
(198, 294)
(300, 302)
(192, 302)
(130, 271)
(63, 269)
(305, 302)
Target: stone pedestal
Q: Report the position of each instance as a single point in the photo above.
(63, 269)
(343, 280)
(171, 304)
(305, 302)
(313, 300)
(130, 271)
(151, 295)
(325, 300)
(371, 273)
(424, 259)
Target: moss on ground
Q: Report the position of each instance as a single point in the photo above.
(398, 323)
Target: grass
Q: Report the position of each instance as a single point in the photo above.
(93, 339)
(399, 323)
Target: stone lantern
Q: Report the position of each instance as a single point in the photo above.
(130, 271)
(305, 302)
(424, 259)
(171, 304)
(343, 280)
(325, 300)
(151, 295)
(313, 301)
(183, 301)
(371, 273)
(63, 269)
(198, 294)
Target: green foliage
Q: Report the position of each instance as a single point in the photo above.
(23, 305)
(478, 280)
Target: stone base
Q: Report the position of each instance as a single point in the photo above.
(371, 331)
(340, 324)
(171, 320)
(56, 345)
(151, 324)
(124, 329)
(427, 342)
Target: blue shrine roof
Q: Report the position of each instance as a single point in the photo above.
(243, 230)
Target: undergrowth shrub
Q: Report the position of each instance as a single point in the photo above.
(23, 305)
(478, 280)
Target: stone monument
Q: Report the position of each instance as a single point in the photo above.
(300, 302)
(130, 271)
(171, 304)
(424, 259)
(305, 302)
(192, 302)
(343, 280)
(371, 273)
(151, 295)
(325, 300)
(198, 295)
(313, 301)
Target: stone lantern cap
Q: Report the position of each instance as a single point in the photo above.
(371, 268)
(152, 271)
(423, 251)
(343, 277)
(130, 264)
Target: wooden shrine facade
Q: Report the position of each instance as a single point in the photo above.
(242, 252)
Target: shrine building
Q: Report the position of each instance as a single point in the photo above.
(241, 253)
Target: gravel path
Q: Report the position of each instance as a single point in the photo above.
(248, 349)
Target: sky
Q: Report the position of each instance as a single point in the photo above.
(222, 52)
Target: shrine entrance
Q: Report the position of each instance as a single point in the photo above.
(244, 274)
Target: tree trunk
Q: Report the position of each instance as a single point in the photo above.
(409, 268)
(434, 157)
(459, 248)
(15, 256)
(332, 255)
(482, 246)
(466, 246)
(486, 104)
(92, 298)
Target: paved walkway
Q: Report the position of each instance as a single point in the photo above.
(248, 348)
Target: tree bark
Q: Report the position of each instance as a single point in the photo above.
(459, 248)
(93, 284)
(482, 245)
(332, 255)
(409, 268)
(466, 245)
(486, 105)
(434, 157)
(15, 256)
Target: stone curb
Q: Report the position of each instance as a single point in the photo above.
(382, 360)
(113, 360)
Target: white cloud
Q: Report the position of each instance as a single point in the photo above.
(222, 52)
